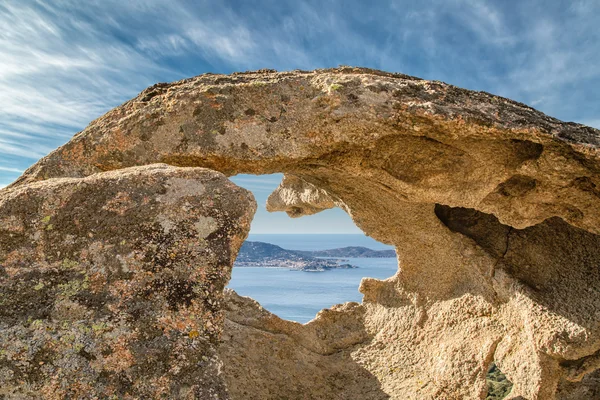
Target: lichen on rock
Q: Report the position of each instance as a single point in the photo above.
(493, 207)
(107, 303)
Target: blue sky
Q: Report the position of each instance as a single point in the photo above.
(65, 62)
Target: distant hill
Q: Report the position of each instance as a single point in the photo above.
(256, 251)
(260, 254)
(352, 252)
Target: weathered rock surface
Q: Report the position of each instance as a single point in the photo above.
(110, 285)
(265, 357)
(494, 209)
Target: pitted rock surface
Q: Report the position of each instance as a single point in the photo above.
(494, 209)
(110, 285)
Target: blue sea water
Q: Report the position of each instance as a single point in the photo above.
(299, 295)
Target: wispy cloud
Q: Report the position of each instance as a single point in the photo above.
(549, 61)
(484, 20)
(8, 169)
(65, 63)
(263, 185)
(61, 67)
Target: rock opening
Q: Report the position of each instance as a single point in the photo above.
(498, 385)
(330, 254)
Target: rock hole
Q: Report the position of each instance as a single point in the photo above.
(287, 288)
(498, 385)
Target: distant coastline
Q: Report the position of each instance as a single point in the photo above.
(352, 252)
(267, 255)
(318, 241)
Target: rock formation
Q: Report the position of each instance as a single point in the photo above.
(110, 285)
(494, 209)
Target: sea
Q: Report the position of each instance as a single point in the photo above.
(299, 295)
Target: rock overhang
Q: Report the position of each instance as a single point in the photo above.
(427, 137)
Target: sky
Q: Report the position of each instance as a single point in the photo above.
(64, 63)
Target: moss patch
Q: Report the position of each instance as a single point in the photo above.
(498, 385)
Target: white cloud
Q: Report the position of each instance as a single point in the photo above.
(227, 37)
(265, 184)
(8, 169)
(16, 148)
(485, 21)
(58, 73)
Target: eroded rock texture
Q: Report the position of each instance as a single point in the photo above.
(110, 286)
(494, 209)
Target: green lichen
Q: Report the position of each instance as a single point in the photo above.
(259, 83)
(67, 338)
(46, 221)
(84, 329)
(36, 323)
(68, 264)
(72, 288)
(99, 327)
(335, 87)
(39, 286)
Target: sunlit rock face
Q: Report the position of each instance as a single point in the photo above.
(110, 285)
(494, 209)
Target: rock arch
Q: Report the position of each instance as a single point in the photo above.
(494, 209)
